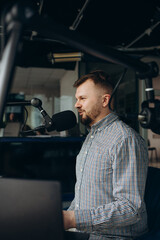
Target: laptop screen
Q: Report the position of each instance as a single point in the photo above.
(30, 209)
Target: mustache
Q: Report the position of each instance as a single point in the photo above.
(80, 110)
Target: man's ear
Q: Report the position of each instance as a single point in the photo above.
(106, 98)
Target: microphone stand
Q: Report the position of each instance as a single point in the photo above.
(19, 103)
(37, 103)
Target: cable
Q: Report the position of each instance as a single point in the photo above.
(25, 121)
(22, 131)
(115, 89)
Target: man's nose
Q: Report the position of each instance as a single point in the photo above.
(77, 104)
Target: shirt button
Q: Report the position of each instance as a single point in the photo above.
(86, 152)
(92, 136)
(76, 205)
(81, 169)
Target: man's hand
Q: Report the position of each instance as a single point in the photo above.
(69, 219)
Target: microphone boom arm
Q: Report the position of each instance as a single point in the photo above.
(38, 104)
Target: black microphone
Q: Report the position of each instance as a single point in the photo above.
(60, 122)
(63, 121)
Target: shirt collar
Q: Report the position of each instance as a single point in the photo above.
(100, 125)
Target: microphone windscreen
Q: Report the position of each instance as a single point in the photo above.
(64, 120)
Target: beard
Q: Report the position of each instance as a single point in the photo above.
(86, 121)
(90, 117)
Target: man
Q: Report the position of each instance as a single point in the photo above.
(111, 168)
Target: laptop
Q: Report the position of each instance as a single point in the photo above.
(30, 210)
(12, 129)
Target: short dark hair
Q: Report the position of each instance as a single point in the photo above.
(99, 77)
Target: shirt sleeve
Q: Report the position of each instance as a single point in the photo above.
(72, 206)
(130, 161)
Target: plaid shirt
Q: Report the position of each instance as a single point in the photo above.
(111, 174)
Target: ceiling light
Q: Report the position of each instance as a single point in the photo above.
(65, 57)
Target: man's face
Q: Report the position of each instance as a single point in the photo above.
(89, 102)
